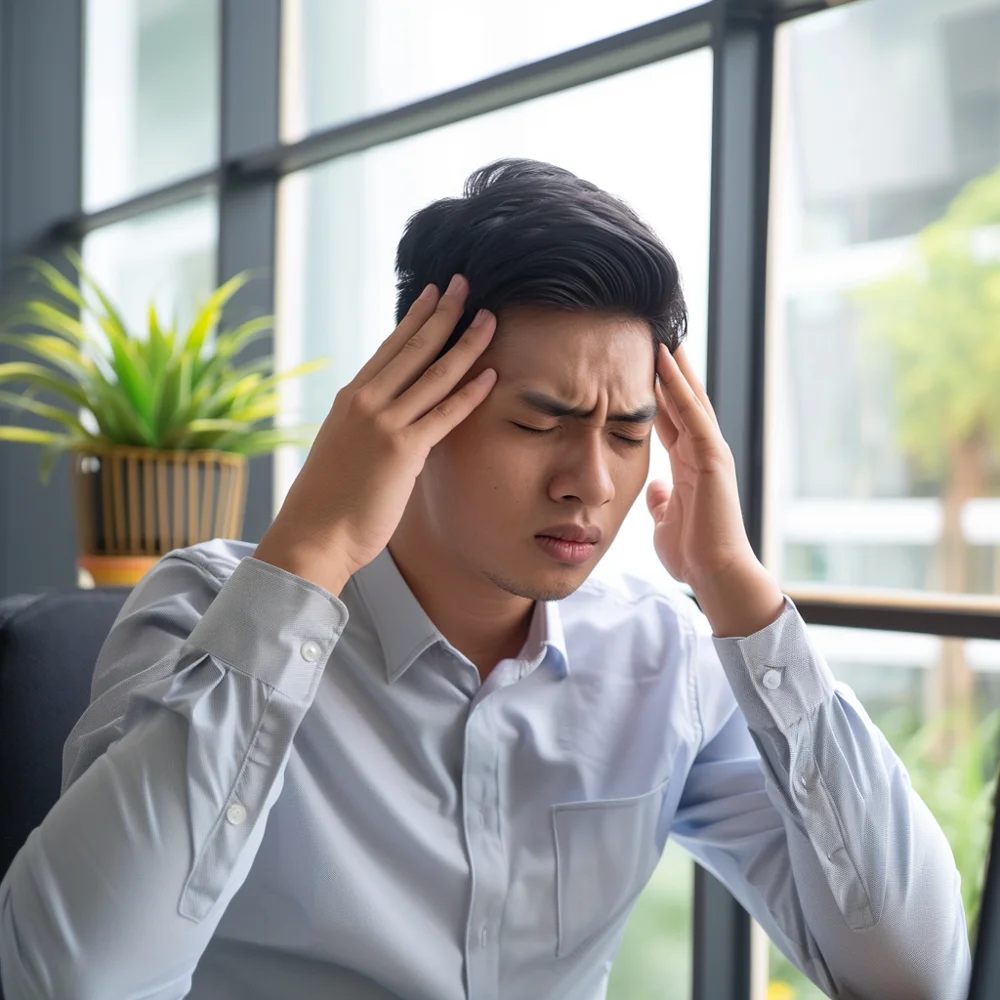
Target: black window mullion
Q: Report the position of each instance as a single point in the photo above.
(41, 75)
(742, 43)
(250, 67)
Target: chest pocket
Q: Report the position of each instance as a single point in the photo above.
(606, 851)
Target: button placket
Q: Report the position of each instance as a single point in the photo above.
(236, 814)
(485, 851)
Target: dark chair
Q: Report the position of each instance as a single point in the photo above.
(48, 647)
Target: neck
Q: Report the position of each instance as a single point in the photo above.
(482, 621)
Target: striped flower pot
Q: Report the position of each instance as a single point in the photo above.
(133, 505)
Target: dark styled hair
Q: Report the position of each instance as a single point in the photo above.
(526, 232)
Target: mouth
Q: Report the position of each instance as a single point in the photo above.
(565, 551)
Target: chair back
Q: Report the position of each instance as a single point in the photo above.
(49, 644)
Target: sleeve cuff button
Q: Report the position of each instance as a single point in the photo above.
(772, 680)
(311, 651)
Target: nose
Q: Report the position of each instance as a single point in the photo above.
(584, 473)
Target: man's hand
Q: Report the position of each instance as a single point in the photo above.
(350, 494)
(699, 534)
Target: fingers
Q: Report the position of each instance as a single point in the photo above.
(683, 405)
(419, 312)
(453, 409)
(658, 494)
(687, 369)
(666, 429)
(414, 353)
(441, 378)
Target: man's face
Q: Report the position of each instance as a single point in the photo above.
(490, 487)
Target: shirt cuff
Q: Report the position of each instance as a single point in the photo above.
(778, 676)
(272, 625)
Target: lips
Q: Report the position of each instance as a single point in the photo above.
(573, 533)
(568, 553)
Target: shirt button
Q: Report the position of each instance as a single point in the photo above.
(483, 935)
(236, 813)
(311, 650)
(772, 679)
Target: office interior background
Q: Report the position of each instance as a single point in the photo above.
(802, 160)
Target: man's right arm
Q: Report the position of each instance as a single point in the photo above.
(120, 889)
(168, 780)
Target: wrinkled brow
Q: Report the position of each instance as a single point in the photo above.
(556, 408)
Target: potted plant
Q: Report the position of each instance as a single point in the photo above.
(160, 426)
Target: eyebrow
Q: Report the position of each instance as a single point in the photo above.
(556, 408)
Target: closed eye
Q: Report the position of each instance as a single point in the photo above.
(634, 442)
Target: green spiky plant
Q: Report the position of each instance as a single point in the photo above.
(169, 390)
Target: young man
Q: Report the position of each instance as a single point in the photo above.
(405, 748)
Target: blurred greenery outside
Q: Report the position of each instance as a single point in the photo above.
(939, 322)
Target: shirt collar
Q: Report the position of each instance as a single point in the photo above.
(405, 631)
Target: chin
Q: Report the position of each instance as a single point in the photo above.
(539, 583)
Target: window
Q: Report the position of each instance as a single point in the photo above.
(151, 95)
(353, 58)
(884, 441)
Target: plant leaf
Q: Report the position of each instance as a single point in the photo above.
(31, 436)
(258, 442)
(128, 363)
(53, 349)
(59, 283)
(42, 378)
(209, 314)
(38, 313)
(304, 369)
(63, 417)
(54, 445)
(262, 409)
(197, 426)
(163, 390)
(231, 342)
(50, 453)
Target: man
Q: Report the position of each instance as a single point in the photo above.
(404, 747)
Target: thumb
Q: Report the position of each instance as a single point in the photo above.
(657, 497)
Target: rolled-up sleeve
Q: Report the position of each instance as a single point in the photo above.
(168, 779)
(799, 805)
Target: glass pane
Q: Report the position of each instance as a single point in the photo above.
(167, 256)
(339, 227)
(151, 95)
(893, 673)
(884, 424)
(353, 58)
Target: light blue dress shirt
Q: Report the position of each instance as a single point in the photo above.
(278, 793)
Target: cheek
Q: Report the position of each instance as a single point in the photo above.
(629, 475)
(470, 463)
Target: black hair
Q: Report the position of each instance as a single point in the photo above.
(526, 232)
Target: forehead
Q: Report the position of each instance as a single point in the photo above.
(572, 349)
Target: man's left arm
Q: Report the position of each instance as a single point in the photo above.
(800, 806)
(795, 799)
